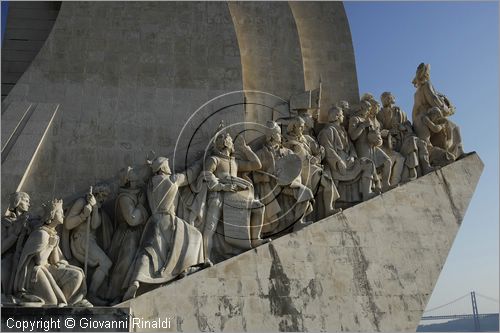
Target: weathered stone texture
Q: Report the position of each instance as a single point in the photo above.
(371, 268)
(127, 77)
(327, 51)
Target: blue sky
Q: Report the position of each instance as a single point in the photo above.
(460, 41)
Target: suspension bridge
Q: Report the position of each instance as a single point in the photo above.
(449, 310)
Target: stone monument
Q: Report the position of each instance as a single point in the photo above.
(218, 167)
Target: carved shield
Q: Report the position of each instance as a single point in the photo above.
(287, 168)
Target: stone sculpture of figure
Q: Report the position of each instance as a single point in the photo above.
(130, 216)
(170, 247)
(15, 229)
(356, 178)
(346, 111)
(442, 137)
(425, 98)
(309, 121)
(404, 140)
(397, 159)
(285, 204)
(83, 240)
(313, 175)
(219, 184)
(366, 138)
(42, 273)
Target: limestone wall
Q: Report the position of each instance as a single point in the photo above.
(130, 77)
(371, 268)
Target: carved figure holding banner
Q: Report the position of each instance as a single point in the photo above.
(43, 274)
(170, 247)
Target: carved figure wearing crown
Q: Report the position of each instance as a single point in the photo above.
(278, 184)
(313, 175)
(170, 247)
(85, 228)
(356, 178)
(43, 276)
(15, 230)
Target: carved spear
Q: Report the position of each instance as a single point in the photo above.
(89, 218)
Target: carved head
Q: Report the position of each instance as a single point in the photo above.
(19, 201)
(53, 212)
(129, 177)
(363, 108)
(335, 114)
(160, 164)
(296, 126)
(387, 99)
(273, 134)
(422, 75)
(224, 141)
(101, 192)
(344, 105)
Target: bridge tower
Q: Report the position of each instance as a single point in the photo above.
(475, 313)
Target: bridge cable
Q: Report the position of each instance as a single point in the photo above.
(442, 306)
(487, 297)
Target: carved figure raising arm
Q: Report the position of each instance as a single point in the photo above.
(220, 177)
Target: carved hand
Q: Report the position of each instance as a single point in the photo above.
(87, 209)
(229, 187)
(91, 199)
